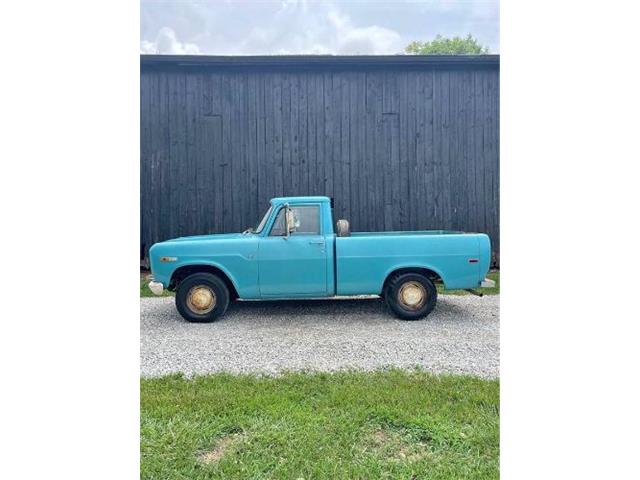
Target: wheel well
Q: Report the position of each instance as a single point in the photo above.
(183, 272)
(430, 274)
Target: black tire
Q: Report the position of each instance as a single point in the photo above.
(417, 283)
(195, 290)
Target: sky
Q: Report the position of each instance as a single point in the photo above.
(290, 27)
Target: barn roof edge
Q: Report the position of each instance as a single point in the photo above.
(187, 61)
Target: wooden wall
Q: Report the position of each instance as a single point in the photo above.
(398, 148)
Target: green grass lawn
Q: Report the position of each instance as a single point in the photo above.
(386, 424)
(493, 275)
(144, 287)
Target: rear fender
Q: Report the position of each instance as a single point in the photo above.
(412, 266)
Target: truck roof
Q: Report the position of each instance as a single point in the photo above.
(299, 199)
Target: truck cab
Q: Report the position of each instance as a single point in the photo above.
(297, 261)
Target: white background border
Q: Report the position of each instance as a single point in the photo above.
(70, 159)
(569, 246)
(569, 243)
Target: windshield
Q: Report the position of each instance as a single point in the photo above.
(263, 221)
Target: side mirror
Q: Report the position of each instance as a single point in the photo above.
(290, 221)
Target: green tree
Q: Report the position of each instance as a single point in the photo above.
(447, 46)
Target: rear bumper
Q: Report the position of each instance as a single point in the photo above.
(488, 283)
(156, 287)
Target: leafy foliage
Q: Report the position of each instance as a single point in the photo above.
(447, 46)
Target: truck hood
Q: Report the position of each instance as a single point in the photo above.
(216, 236)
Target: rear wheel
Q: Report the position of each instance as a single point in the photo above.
(411, 296)
(202, 297)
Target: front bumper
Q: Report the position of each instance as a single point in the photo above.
(156, 287)
(487, 283)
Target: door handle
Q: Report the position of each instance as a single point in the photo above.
(316, 242)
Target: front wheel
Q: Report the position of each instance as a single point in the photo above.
(202, 298)
(411, 296)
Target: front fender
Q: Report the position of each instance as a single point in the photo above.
(215, 265)
(232, 256)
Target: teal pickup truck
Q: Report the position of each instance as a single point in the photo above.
(294, 253)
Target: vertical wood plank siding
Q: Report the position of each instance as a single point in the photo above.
(398, 148)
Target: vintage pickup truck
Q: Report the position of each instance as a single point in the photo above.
(294, 253)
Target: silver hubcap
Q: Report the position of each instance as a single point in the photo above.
(201, 299)
(412, 295)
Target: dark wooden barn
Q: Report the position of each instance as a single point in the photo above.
(400, 142)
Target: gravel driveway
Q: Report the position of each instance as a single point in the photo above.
(460, 336)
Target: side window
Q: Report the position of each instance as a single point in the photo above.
(307, 221)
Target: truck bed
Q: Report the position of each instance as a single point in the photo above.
(365, 259)
(406, 233)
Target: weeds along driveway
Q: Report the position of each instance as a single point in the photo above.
(460, 336)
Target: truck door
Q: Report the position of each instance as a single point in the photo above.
(297, 265)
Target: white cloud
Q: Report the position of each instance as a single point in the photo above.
(268, 27)
(370, 40)
(363, 40)
(301, 28)
(167, 42)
